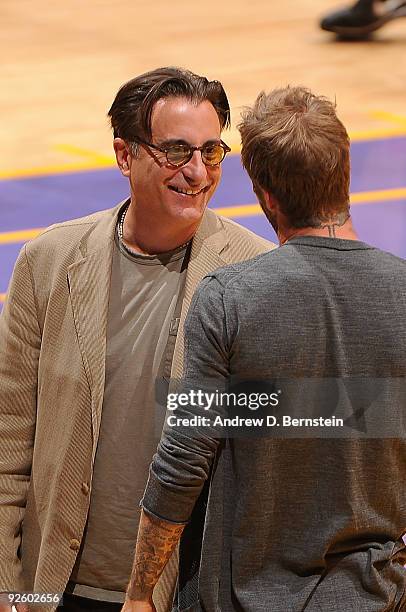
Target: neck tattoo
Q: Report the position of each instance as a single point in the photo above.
(335, 222)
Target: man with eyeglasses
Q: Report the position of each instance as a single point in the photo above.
(94, 318)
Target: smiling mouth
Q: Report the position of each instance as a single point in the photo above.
(187, 192)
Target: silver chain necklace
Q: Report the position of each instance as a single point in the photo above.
(120, 230)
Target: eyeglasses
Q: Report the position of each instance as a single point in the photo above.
(180, 154)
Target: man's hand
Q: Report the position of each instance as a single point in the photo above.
(137, 606)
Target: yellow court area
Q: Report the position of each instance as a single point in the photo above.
(63, 62)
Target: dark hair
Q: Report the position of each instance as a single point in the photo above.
(131, 112)
(295, 148)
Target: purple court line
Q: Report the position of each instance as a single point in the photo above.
(41, 201)
(381, 224)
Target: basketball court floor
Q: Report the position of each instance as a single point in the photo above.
(63, 64)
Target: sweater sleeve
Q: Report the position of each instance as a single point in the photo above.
(190, 439)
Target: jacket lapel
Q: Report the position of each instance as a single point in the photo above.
(89, 287)
(208, 243)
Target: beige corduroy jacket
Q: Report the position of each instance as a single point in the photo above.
(52, 369)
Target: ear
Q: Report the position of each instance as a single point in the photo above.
(267, 201)
(123, 155)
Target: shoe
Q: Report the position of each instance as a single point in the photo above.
(359, 21)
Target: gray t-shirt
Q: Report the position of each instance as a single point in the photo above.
(143, 295)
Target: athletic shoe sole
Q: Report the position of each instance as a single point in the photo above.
(363, 31)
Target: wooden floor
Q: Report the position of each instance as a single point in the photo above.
(62, 62)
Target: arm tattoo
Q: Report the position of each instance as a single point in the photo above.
(156, 541)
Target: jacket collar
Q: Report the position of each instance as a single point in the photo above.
(210, 232)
